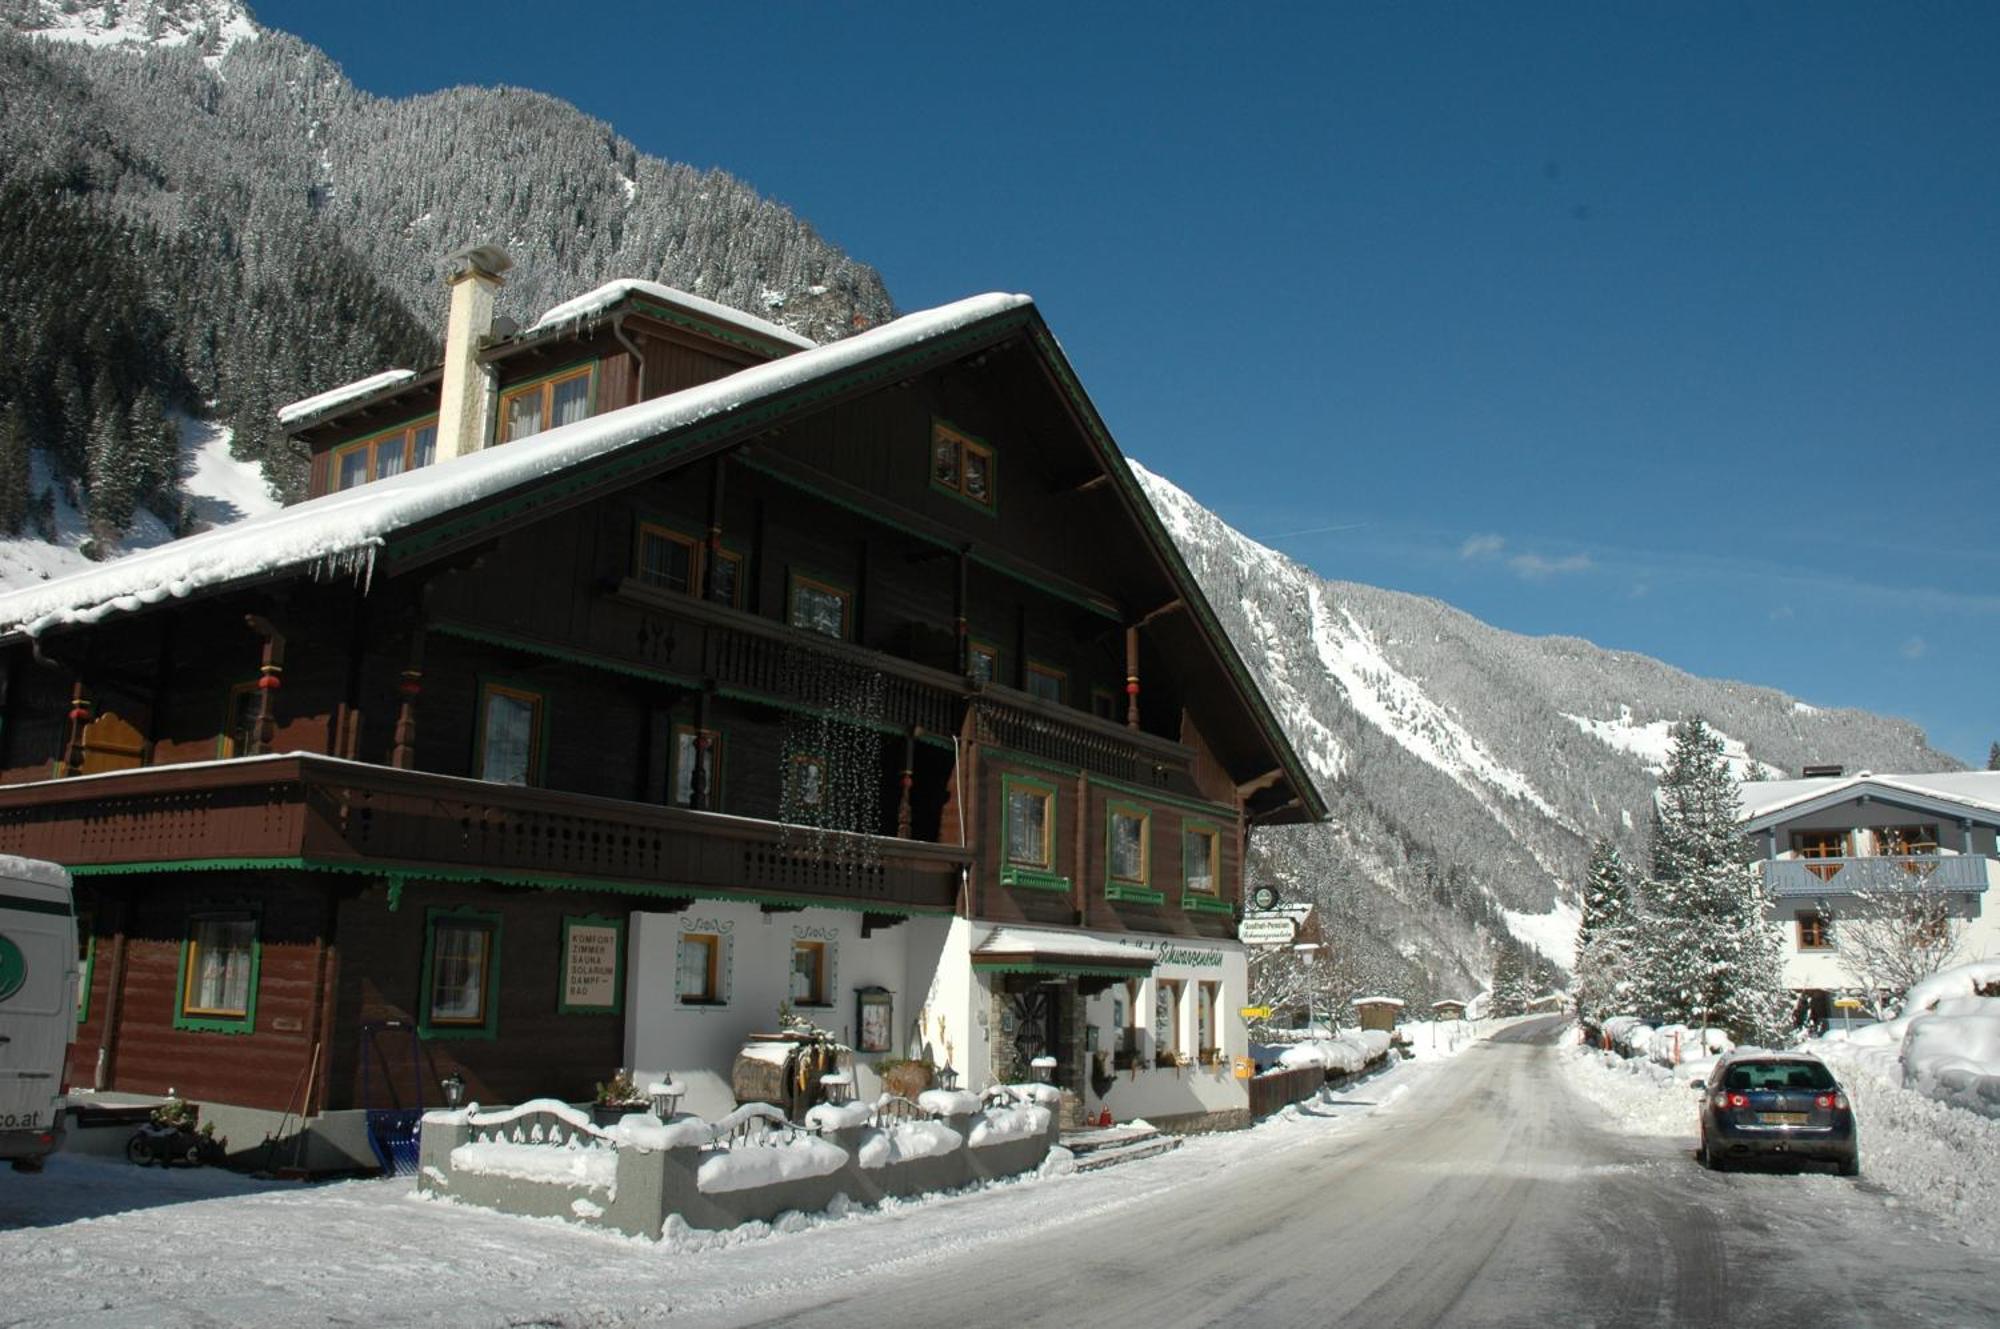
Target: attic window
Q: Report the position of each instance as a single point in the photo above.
(961, 465)
(379, 456)
(549, 403)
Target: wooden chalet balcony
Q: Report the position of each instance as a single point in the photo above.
(321, 812)
(1804, 878)
(752, 655)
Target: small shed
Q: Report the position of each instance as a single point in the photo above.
(1452, 1009)
(1377, 1012)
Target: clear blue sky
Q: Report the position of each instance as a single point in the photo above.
(1674, 327)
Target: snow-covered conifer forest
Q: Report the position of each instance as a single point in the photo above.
(247, 227)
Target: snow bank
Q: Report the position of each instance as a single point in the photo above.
(1956, 1058)
(1343, 1054)
(1002, 1125)
(751, 1165)
(948, 1102)
(909, 1140)
(644, 1131)
(568, 1165)
(1963, 980)
(838, 1116)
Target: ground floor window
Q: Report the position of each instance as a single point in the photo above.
(809, 986)
(461, 974)
(698, 969)
(218, 987)
(1207, 1030)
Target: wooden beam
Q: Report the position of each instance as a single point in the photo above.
(1261, 783)
(1174, 605)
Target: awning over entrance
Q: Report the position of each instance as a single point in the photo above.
(1042, 951)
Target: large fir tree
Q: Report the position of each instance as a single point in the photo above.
(1706, 955)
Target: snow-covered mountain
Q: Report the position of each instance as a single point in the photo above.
(1468, 769)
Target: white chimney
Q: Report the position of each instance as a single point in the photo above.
(473, 277)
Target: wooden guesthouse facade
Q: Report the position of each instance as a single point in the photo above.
(629, 676)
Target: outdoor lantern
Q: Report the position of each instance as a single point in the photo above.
(947, 1079)
(1045, 1069)
(454, 1089)
(664, 1096)
(838, 1086)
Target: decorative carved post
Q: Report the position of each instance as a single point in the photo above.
(909, 779)
(79, 719)
(270, 677)
(1132, 677)
(698, 777)
(403, 752)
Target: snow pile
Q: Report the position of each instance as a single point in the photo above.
(561, 1165)
(1629, 1035)
(769, 1163)
(1949, 1045)
(339, 533)
(1045, 1095)
(909, 1140)
(642, 1130)
(838, 1116)
(1342, 1054)
(1679, 1043)
(1003, 1125)
(948, 1102)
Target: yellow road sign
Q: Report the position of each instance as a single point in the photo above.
(1255, 1012)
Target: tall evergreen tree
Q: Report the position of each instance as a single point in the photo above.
(1706, 955)
(1993, 758)
(1604, 937)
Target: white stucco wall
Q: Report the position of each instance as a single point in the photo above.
(697, 1044)
(1156, 1092)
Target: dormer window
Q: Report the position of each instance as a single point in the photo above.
(547, 403)
(961, 465)
(379, 456)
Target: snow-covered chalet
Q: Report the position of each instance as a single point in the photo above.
(632, 674)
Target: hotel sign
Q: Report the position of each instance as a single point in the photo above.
(592, 962)
(1267, 930)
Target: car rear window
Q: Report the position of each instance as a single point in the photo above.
(1779, 1075)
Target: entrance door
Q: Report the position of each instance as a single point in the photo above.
(1036, 1014)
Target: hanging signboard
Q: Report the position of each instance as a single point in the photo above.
(1267, 930)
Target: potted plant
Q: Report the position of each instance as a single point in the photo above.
(616, 1097)
(906, 1078)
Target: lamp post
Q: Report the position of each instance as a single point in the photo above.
(454, 1090)
(663, 1096)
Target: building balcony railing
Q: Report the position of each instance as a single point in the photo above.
(324, 813)
(1795, 878)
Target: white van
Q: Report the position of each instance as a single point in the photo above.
(38, 1004)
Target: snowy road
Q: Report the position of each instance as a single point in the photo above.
(1474, 1191)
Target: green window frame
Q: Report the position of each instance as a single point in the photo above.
(86, 964)
(451, 962)
(964, 467)
(1200, 899)
(202, 985)
(1126, 886)
(1046, 682)
(569, 924)
(1026, 872)
(543, 393)
(533, 769)
(379, 456)
(808, 617)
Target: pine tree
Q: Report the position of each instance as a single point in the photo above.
(1705, 954)
(1993, 758)
(1604, 937)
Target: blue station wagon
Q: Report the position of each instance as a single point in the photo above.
(1776, 1105)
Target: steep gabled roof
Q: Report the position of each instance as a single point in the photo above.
(1961, 795)
(409, 519)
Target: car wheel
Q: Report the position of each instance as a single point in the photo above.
(1851, 1166)
(139, 1150)
(1710, 1159)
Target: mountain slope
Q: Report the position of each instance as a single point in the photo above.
(1468, 769)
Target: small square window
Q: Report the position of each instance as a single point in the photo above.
(961, 465)
(809, 973)
(510, 735)
(983, 659)
(219, 974)
(698, 968)
(1815, 932)
(818, 606)
(559, 400)
(1050, 685)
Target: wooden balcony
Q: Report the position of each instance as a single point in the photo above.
(320, 812)
(1806, 878)
(754, 656)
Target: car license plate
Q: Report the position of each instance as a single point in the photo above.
(1782, 1118)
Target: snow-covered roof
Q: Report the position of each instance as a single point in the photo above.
(1976, 791)
(597, 301)
(341, 532)
(346, 392)
(1378, 1001)
(1048, 944)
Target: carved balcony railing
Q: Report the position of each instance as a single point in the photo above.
(1026, 725)
(1806, 878)
(326, 813)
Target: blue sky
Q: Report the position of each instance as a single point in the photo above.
(1676, 328)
